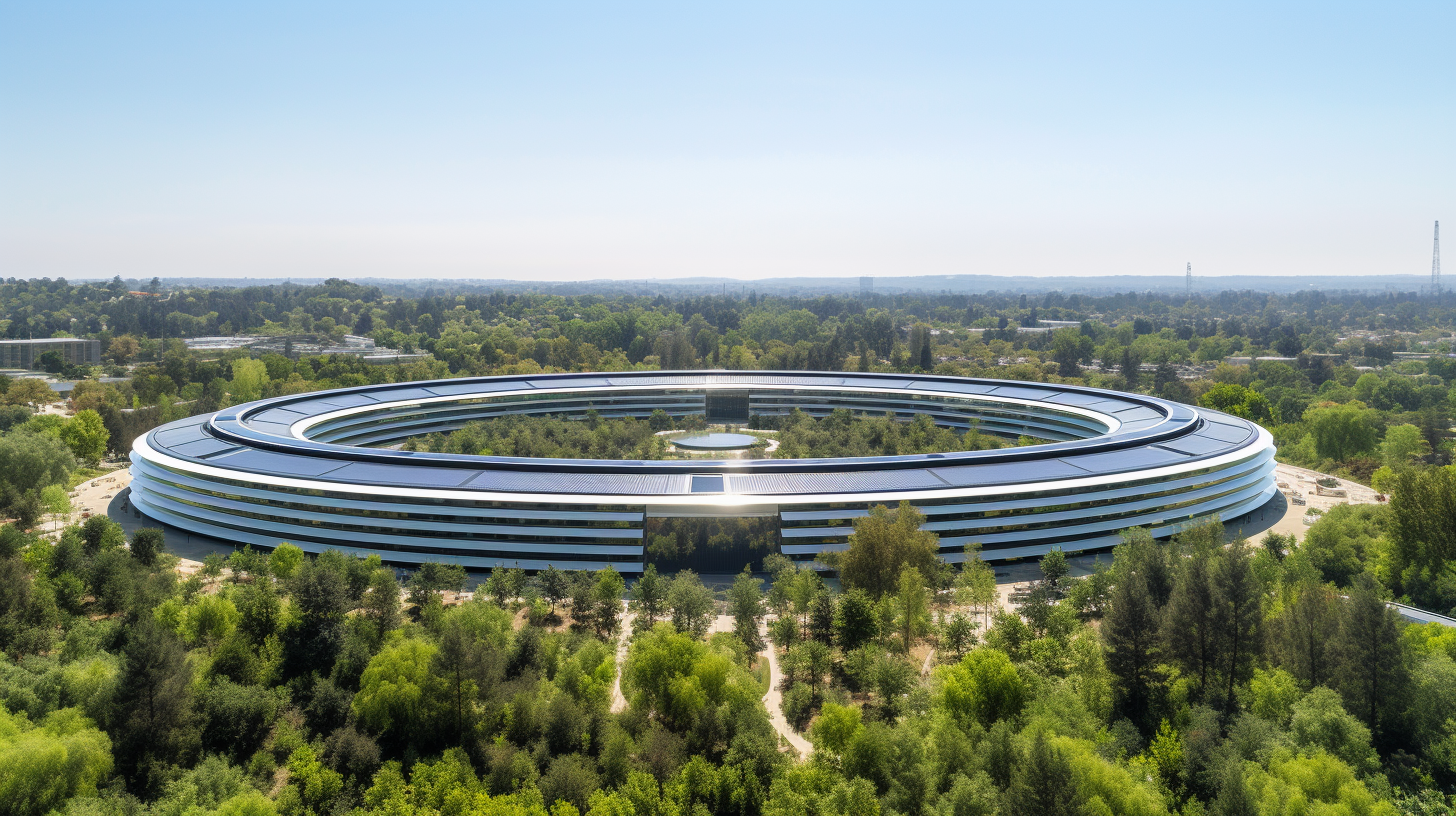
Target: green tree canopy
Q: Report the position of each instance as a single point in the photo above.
(1342, 431)
(883, 544)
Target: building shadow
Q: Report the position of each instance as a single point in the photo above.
(1253, 524)
(177, 541)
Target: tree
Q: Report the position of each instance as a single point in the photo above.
(1037, 605)
(1423, 518)
(975, 587)
(555, 584)
(1070, 347)
(1044, 783)
(249, 377)
(1319, 721)
(821, 618)
(1303, 631)
(146, 544)
(381, 602)
(152, 710)
(983, 688)
(1234, 798)
(649, 596)
(959, 633)
(745, 601)
(1403, 446)
(607, 600)
(883, 544)
(31, 461)
(855, 622)
(122, 348)
(259, 611)
(285, 560)
(399, 694)
(29, 391)
(56, 502)
(209, 620)
(1239, 400)
(1189, 633)
(1372, 674)
(690, 604)
(914, 605)
(1131, 633)
(836, 727)
(1239, 616)
(460, 663)
(86, 435)
(433, 577)
(320, 593)
(101, 533)
(1342, 431)
(65, 756)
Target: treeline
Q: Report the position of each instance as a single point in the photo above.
(1341, 400)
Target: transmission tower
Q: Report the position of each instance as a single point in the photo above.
(1189, 279)
(1436, 262)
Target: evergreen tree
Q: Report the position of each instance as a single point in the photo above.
(1234, 798)
(1304, 630)
(1238, 615)
(381, 602)
(1372, 673)
(1131, 633)
(1043, 784)
(151, 721)
(1190, 638)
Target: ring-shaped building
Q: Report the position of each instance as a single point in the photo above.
(318, 470)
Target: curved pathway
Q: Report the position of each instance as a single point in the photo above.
(774, 699)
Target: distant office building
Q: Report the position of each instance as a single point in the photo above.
(866, 287)
(25, 353)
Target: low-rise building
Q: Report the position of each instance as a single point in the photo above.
(26, 353)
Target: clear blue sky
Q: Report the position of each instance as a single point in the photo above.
(557, 141)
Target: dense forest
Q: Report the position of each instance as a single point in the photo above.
(1187, 677)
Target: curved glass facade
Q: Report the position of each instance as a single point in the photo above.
(301, 469)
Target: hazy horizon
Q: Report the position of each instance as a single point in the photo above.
(565, 143)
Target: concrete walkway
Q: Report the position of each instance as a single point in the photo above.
(774, 699)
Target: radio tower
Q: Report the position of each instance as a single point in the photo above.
(1189, 279)
(1436, 263)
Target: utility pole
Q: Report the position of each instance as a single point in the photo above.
(1436, 263)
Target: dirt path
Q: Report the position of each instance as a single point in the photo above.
(774, 699)
(619, 702)
(929, 661)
